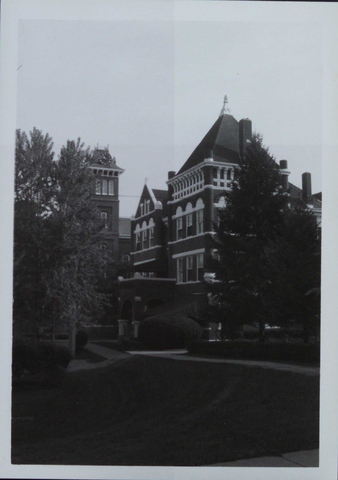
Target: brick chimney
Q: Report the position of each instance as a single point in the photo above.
(283, 166)
(306, 187)
(245, 134)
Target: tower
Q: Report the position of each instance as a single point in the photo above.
(106, 197)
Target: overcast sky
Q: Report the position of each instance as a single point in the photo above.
(152, 88)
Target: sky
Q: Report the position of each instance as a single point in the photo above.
(151, 86)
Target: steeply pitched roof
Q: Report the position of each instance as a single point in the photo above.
(222, 138)
(162, 196)
(297, 193)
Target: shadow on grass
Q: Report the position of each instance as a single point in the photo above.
(157, 411)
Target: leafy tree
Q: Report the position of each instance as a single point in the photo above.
(77, 257)
(57, 241)
(253, 217)
(33, 191)
(293, 266)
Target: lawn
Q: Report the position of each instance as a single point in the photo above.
(156, 411)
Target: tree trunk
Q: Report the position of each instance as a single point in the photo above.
(72, 336)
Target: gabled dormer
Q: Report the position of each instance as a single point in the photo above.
(151, 201)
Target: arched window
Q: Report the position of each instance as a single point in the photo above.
(104, 218)
(189, 221)
(138, 237)
(179, 223)
(199, 216)
(125, 258)
(221, 202)
(98, 187)
(104, 187)
(111, 187)
(151, 233)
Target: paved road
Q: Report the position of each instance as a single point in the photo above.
(181, 355)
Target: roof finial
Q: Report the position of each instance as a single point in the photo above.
(224, 109)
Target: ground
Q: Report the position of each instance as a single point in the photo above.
(158, 411)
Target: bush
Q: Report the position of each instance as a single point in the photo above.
(81, 339)
(39, 362)
(281, 351)
(168, 331)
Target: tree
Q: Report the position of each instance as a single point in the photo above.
(252, 218)
(58, 257)
(293, 265)
(77, 257)
(33, 191)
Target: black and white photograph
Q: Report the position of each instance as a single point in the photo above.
(169, 201)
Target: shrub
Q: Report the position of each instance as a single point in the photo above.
(81, 339)
(168, 331)
(39, 362)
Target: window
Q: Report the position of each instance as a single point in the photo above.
(189, 225)
(125, 258)
(145, 239)
(229, 174)
(151, 237)
(138, 238)
(199, 215)
(111, 187)
(98, 187)
(148, 206)
(200, 266)
(104, 218)
(141, 209)
(179, 227)
(104, 187)
(179, 270)
(190, 271)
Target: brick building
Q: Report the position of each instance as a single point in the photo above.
(171, 229)
(116, 235)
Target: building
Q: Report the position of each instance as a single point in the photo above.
(116, 235)
(171, 229)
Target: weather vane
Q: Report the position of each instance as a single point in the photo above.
(224, 109)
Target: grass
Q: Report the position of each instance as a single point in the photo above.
(90, 357)
(157, 411)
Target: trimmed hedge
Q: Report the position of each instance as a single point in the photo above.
(168, 331)
(293, 352)
(41, 363)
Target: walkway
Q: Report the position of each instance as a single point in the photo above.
(181, 355)
(111, 356)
